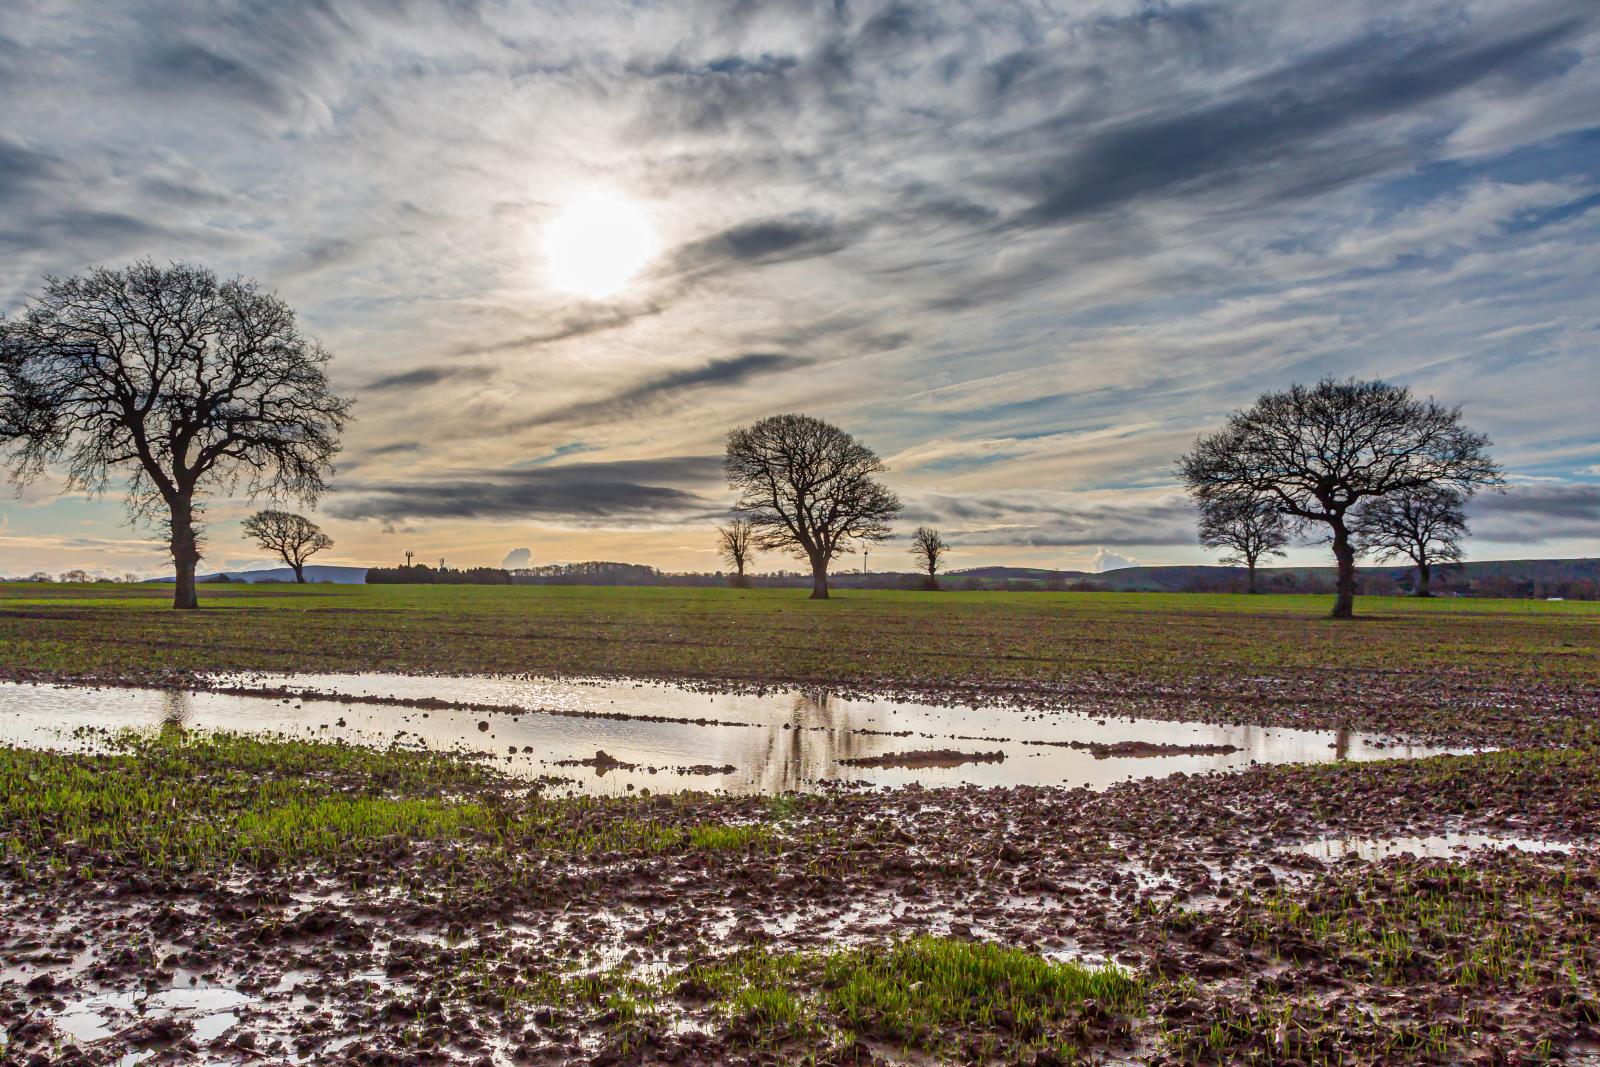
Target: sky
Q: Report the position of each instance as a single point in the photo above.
(1026, 252)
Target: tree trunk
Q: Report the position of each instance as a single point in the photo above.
(1344, 607)
(299, 573)
(185, 555)
(1422, 579)
(819, 579)
(1250, 578)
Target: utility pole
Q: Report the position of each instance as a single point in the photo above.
(863, 560)
(408, 558)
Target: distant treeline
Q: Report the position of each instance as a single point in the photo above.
(1571, 579)
(422, 574)
(601, 572)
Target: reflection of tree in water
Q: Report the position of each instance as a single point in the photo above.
(821, 730)
(177, 707)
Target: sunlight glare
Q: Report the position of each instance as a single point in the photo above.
(598, 243)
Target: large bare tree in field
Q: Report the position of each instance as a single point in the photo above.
(178, 382)
(807, 487)
(928, 549)
(1319, 451)
(294, 538)
(1422, 525)
(1250, 529)
(736, 543)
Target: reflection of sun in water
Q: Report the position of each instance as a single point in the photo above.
(598, 243)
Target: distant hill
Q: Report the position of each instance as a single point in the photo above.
(1499, 577)
(314, 573)
(1576, 578)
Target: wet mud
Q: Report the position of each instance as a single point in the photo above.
(615, 943)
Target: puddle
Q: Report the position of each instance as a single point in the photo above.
(211, 1010)
(1439, 846)
(652, 733)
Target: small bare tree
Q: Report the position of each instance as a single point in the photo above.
(1423, 525)
(184, 383)
(1319, 451)
(1250, 529)
(736, 543)
(928, 549)
(294, 538)
(809, 488)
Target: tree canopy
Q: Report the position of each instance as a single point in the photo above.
(1248, 529)
(1316, 452)
(173, 381)
(294, 538)
(808, 488)
(928, 548)
(1423, 525)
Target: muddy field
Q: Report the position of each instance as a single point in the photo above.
(179, 895)
(200, 898)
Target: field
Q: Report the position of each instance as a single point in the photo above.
(348, 905)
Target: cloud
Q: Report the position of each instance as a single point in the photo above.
(395, 448)
(21, 166)
(798, 236)
(590, 319)
(624, 491)
(1249, 131)
(516, 558)
(1109, 561)
(1027, 256)
(1531, 514)
(422, 377)
(661, 389)
(1039, 519)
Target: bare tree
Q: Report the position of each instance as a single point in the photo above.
(1423, 525)
(1249, 528)
(736, 542)
(185, 384)
(928, 549)
(294, 538)
(807, 487)
(1321, 450)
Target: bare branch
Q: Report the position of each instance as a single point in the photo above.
(807, 487)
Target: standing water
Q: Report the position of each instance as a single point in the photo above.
(613, 736)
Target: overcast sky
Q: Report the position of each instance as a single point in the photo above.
(1025, 251)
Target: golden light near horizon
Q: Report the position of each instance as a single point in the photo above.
(598, 244)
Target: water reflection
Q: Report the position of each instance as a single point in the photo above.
(175, 704)
(775, 741)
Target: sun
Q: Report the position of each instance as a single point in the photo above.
(598, 244)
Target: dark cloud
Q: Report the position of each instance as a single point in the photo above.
(107, 232)
(396, 448)
(319, 255)
(663, 388)
(577, 324)
(22, 167)
(188, 68)
(1531, 514)
(624, 490)
(1032, 521)
(181, 194)
(1272, 118)
(799, 236)
(422, 377)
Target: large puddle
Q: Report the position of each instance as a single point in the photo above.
(663, 737)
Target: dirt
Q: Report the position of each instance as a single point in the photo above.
(1137, 749)
(927, 758)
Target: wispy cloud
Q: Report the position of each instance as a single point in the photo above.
(1026, 253)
